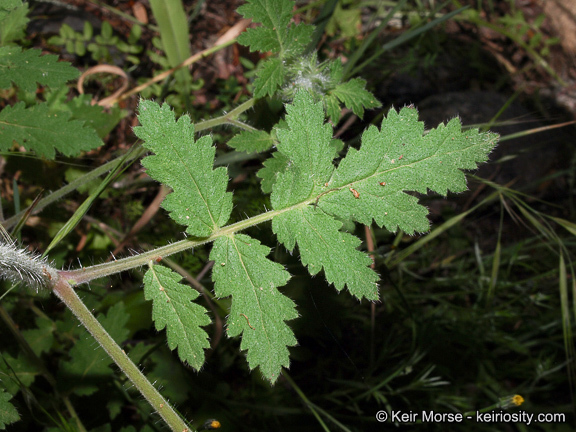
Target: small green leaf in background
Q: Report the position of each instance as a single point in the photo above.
(16, 372)
(13, 20)
(94, 116)
(26, 68)
(354, 95)
(89, 364)
(43, 131)
(8, 413)
(199, 200)
(259, 310)
(101, 119)
(248, 141)
(276, 34)
(174, 309)
(169, 374)
(41, 338)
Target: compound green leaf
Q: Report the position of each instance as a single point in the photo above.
(8, 414)
(39, 129)
(371, 183)
(323, 246)
(199, 200)
(307, 144)
(174, 309)
(26, 68)
(258, 310)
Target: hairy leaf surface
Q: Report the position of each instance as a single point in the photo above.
(199, 200)
(311, 198)
(174, 309)
(323, 246)
(307, 144)
(259, 310)
(371, 183)
(270, 76)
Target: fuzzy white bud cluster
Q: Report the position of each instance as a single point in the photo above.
(306, 72)
(21, 265)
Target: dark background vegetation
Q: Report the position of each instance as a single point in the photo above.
(468, 318)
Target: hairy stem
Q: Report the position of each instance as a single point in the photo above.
(86, 274)
(226, 118)
(65, 293)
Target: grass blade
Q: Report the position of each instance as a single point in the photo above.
(85, 206)
(171, 19)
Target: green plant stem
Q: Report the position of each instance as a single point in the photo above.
(226, 118)
(306, 401)
(72, 186)
(86, 274)
(65, 293)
